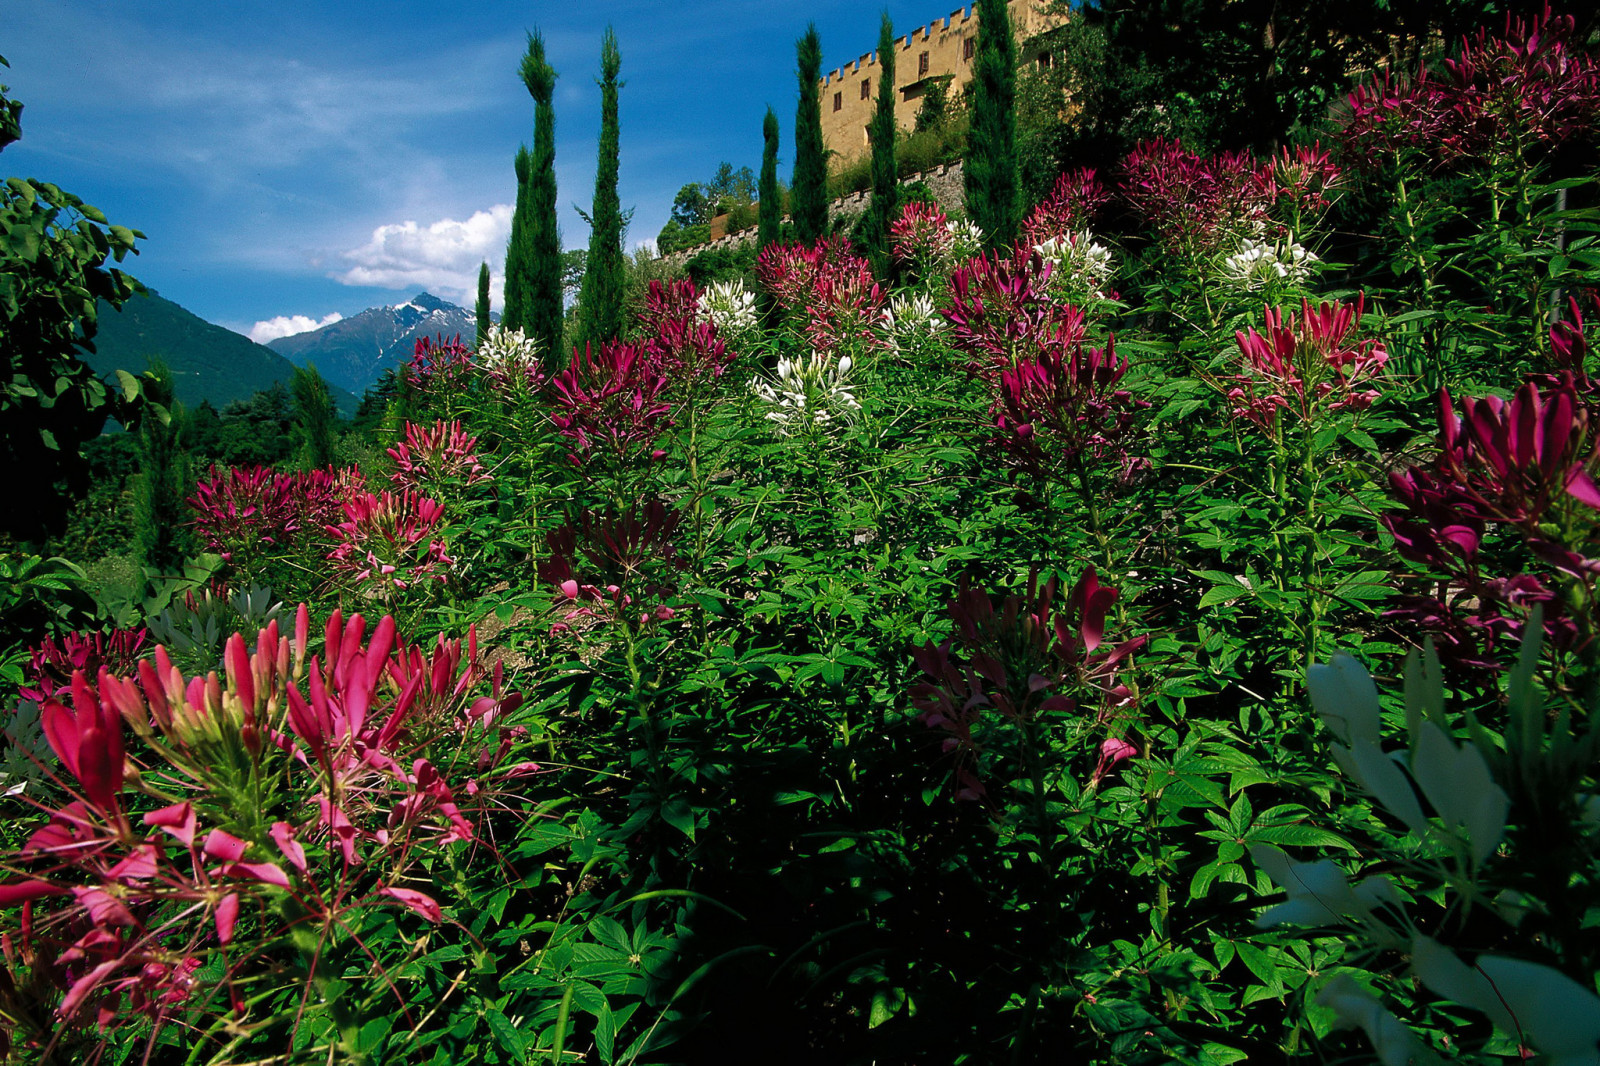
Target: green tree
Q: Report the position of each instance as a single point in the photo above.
(809, 194)
(519, 250)
(482, 310)
(991, 169)
(600, 298)
(55, 252)
(935, 107)
(540, 283)
(314, 417)
(882, 131)
(160, 531)
(771, 208)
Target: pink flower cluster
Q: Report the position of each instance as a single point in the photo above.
(1070, 208)
(138, 900)
(681, 345)
(435, 456)
(1306, 363)
(920, 235)
(833, 286)
(390, 539)
(611, 402)
(248, 509)
(615, 566)
(439, 366)
(1063, 403)
(52, 663)
(1197, 206)
(1000, 313)
(1022, 660)
(1528, 464)
(1524, 89)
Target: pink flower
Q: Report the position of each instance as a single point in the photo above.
(612, 564)
(1070, 208)
(52, 663)
(610, 404)
(1197, 206)
(1000, 313)
(1063, 404)
(389, 539)
(438, 455)
(1306, 363)
(439, 366)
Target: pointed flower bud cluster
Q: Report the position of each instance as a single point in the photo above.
(1306, 364)
(250, 510)
(806, 393)
(390, 540)
(435, 457)
(610, 404)
(1072, 207)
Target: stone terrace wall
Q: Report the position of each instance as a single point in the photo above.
(945, 182)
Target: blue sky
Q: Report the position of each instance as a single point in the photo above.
(294, 161)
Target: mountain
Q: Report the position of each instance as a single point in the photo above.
(354, 352)
(207, 361)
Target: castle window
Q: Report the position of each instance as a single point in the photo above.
(838, 101)
(866, 89)
(922, 64)
(1044, 60)
(967, 48)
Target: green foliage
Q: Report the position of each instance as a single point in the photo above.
(519, 253)
(314, 418)
(883, 132)
(600, 299)
(55, 256)
(164, 477)
(991, 170)
(533, 292)
(934, 111)
(771, 210)
(808, 193)
(481, 309)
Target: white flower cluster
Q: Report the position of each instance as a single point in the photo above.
(1080, 264)
(731, 308)
(507, 349)
(966, 240)
(1259, 263)
(808, 392)
(911, 322)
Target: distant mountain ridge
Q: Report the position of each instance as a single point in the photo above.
(207, 361)
(354, 352)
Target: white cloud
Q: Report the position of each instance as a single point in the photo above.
(288, 326)
(442, 258)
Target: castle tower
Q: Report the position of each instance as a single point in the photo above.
(941, 51)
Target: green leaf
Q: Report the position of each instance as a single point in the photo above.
(505, 1034)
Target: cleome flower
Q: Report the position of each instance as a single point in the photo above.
(511, 360)
(438, 455)
(1305, 364)
(810, 392)
(388, 540)
(1080, 266)
(615, 566)
(1073, 203)
(610, 403)
(911, 322)
(731, 308)
(1259, 264)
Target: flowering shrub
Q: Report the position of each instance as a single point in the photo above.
(389, 541)
(808, 393)
(511, 361)
(732, 309)
(245, 816)
(436, 457)
(1023, 661)
(1070, 208)
(616, 566)
(247, 510)
(1305, 364)
(1529, 465)
(610, 405)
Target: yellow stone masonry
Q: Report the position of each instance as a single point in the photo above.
(940, 51)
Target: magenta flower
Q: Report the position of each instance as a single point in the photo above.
(616, 566)
(1022, 660)
(610, 403)
(920, 235)
(1001, 314)
(1062, 405)
(438, 455)
(390, 540)
(52, 663)
(438, 366)
(1197, 207)
(669, 301)
(1305, 364)
(1070, 208)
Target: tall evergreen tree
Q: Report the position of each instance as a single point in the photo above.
(159, 512)
(769, 207)
(519, 252)
(991, 168)
(482, 310)
(880, 212)
(543, 319)
(809, 195)
(314, 417)
(600, 298)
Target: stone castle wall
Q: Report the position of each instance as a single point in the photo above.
(947, 183)
(943, 50)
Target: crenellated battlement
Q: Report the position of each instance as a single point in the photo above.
(942, 50)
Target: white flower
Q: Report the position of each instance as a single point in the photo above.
(911, 321)
(731, 308)
(505, 349)
(1079, 263)
(1259, 263)
(966, 241)
(811, 391)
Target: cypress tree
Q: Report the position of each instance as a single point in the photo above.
(542, 317)
(771, 210)
(809, 196)
(159, 512)
(991, 169)
(484, 321)
(519, 282)
(880, 213)
(314, 415)
(600, 298)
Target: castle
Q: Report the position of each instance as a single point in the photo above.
(939, 52)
